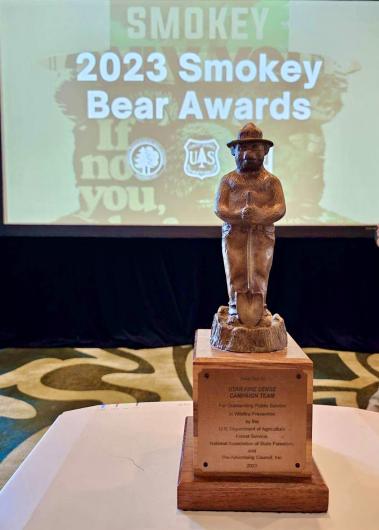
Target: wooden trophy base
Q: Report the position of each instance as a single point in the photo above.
(252, 412)
(260, 494)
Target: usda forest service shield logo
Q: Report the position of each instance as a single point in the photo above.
(201, 158)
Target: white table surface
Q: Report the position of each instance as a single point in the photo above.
(116, 467)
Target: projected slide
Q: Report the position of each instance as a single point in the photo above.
(118, 113)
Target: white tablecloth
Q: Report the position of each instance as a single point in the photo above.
(116, 467)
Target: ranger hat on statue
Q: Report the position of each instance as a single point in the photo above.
(250, 133)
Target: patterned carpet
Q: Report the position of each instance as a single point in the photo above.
(36, 385)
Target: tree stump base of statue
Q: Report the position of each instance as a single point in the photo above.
(249, 445)
(229, 335)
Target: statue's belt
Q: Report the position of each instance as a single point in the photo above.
(263, 228)
(268, 229)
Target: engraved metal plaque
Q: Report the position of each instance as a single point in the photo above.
(252, 421)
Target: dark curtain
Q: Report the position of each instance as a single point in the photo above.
(156, 292)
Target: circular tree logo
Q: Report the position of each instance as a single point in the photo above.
(146, 158)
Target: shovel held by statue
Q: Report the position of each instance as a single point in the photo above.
(250, 304)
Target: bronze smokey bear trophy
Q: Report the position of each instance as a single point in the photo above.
(248, 445)
(249, 201)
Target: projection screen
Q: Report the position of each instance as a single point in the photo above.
(118, 113)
